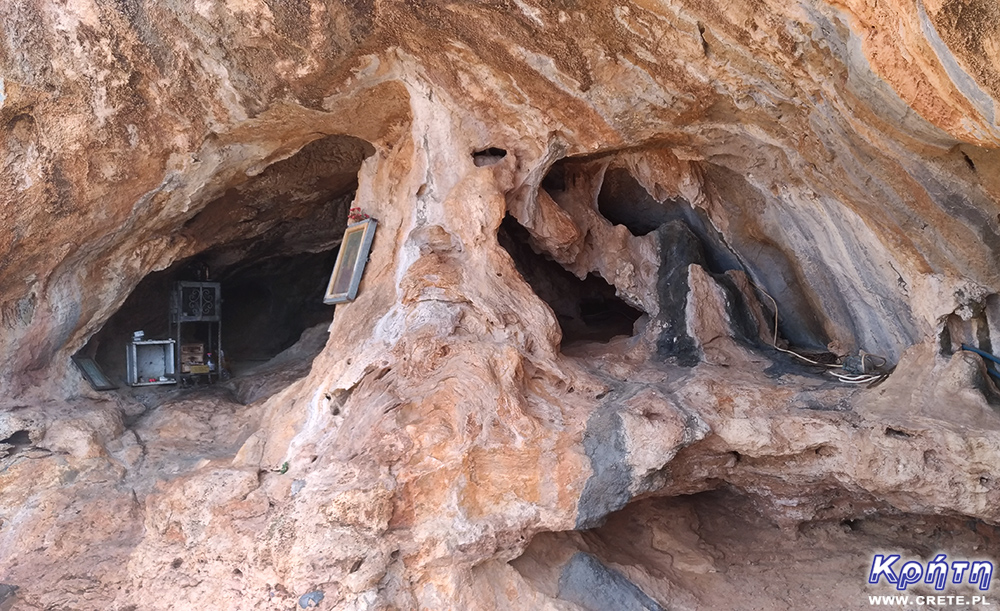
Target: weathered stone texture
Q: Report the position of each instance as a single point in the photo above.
(701, 158)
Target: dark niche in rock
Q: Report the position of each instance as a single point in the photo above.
(266, 305)
(269, 304)
(623, 201)
(488, 157)
(588, 310)
(17, 441)
(270, 243)
(554, 180)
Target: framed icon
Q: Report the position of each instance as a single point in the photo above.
(350, 263)
(93, 373)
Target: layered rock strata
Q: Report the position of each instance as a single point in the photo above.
(562, 368)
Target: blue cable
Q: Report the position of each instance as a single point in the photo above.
(985, 355)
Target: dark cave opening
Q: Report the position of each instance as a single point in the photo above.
(687, 235)
(266, 305)
(555, 179)
(269, 304)
(624, 201)
(588, 310)
(14, 443)
(270, 244)
(707, 549)
(17, 439)
(488, 157)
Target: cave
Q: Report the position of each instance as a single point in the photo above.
(17, 441)
(624, 201)
(588, 310)
(266, 305)
(271, 244)
(711, 549)
(442, 450)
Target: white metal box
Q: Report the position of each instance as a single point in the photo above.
(151, 362)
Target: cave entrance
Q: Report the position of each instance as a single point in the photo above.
(588, 310)
(269, 245)
(266, 306)
(624, 201)
(705, 550)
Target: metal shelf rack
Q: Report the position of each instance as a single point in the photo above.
(198, 305)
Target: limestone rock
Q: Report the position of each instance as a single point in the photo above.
(603, 229)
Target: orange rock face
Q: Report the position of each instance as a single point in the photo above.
(603, 227)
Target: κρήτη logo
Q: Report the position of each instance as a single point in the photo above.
(979, 572)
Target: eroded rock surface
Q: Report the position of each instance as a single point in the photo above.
(566, 382)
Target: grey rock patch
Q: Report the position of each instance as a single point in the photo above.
(311, 599)
(587, 582)
(8, 596)
(608, 489)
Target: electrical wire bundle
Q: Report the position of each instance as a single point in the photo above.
(862, 368)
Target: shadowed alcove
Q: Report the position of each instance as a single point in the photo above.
(270, 243)
(588, 310)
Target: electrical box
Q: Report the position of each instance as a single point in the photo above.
(151, 362)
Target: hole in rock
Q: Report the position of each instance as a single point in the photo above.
(19, 439)
(588, 310)
(978, 329)
(969, 162)
(271, 244)
(624, 201)
(891, 432)
(488, 156)
(706, 550)
(555, 179)
(269, 304)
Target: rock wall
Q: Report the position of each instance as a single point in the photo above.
(830, 166)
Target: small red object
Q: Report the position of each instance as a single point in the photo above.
(355, 215)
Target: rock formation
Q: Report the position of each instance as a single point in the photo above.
(567, 381)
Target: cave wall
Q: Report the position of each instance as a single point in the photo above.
(843, 155)
(803, 105)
